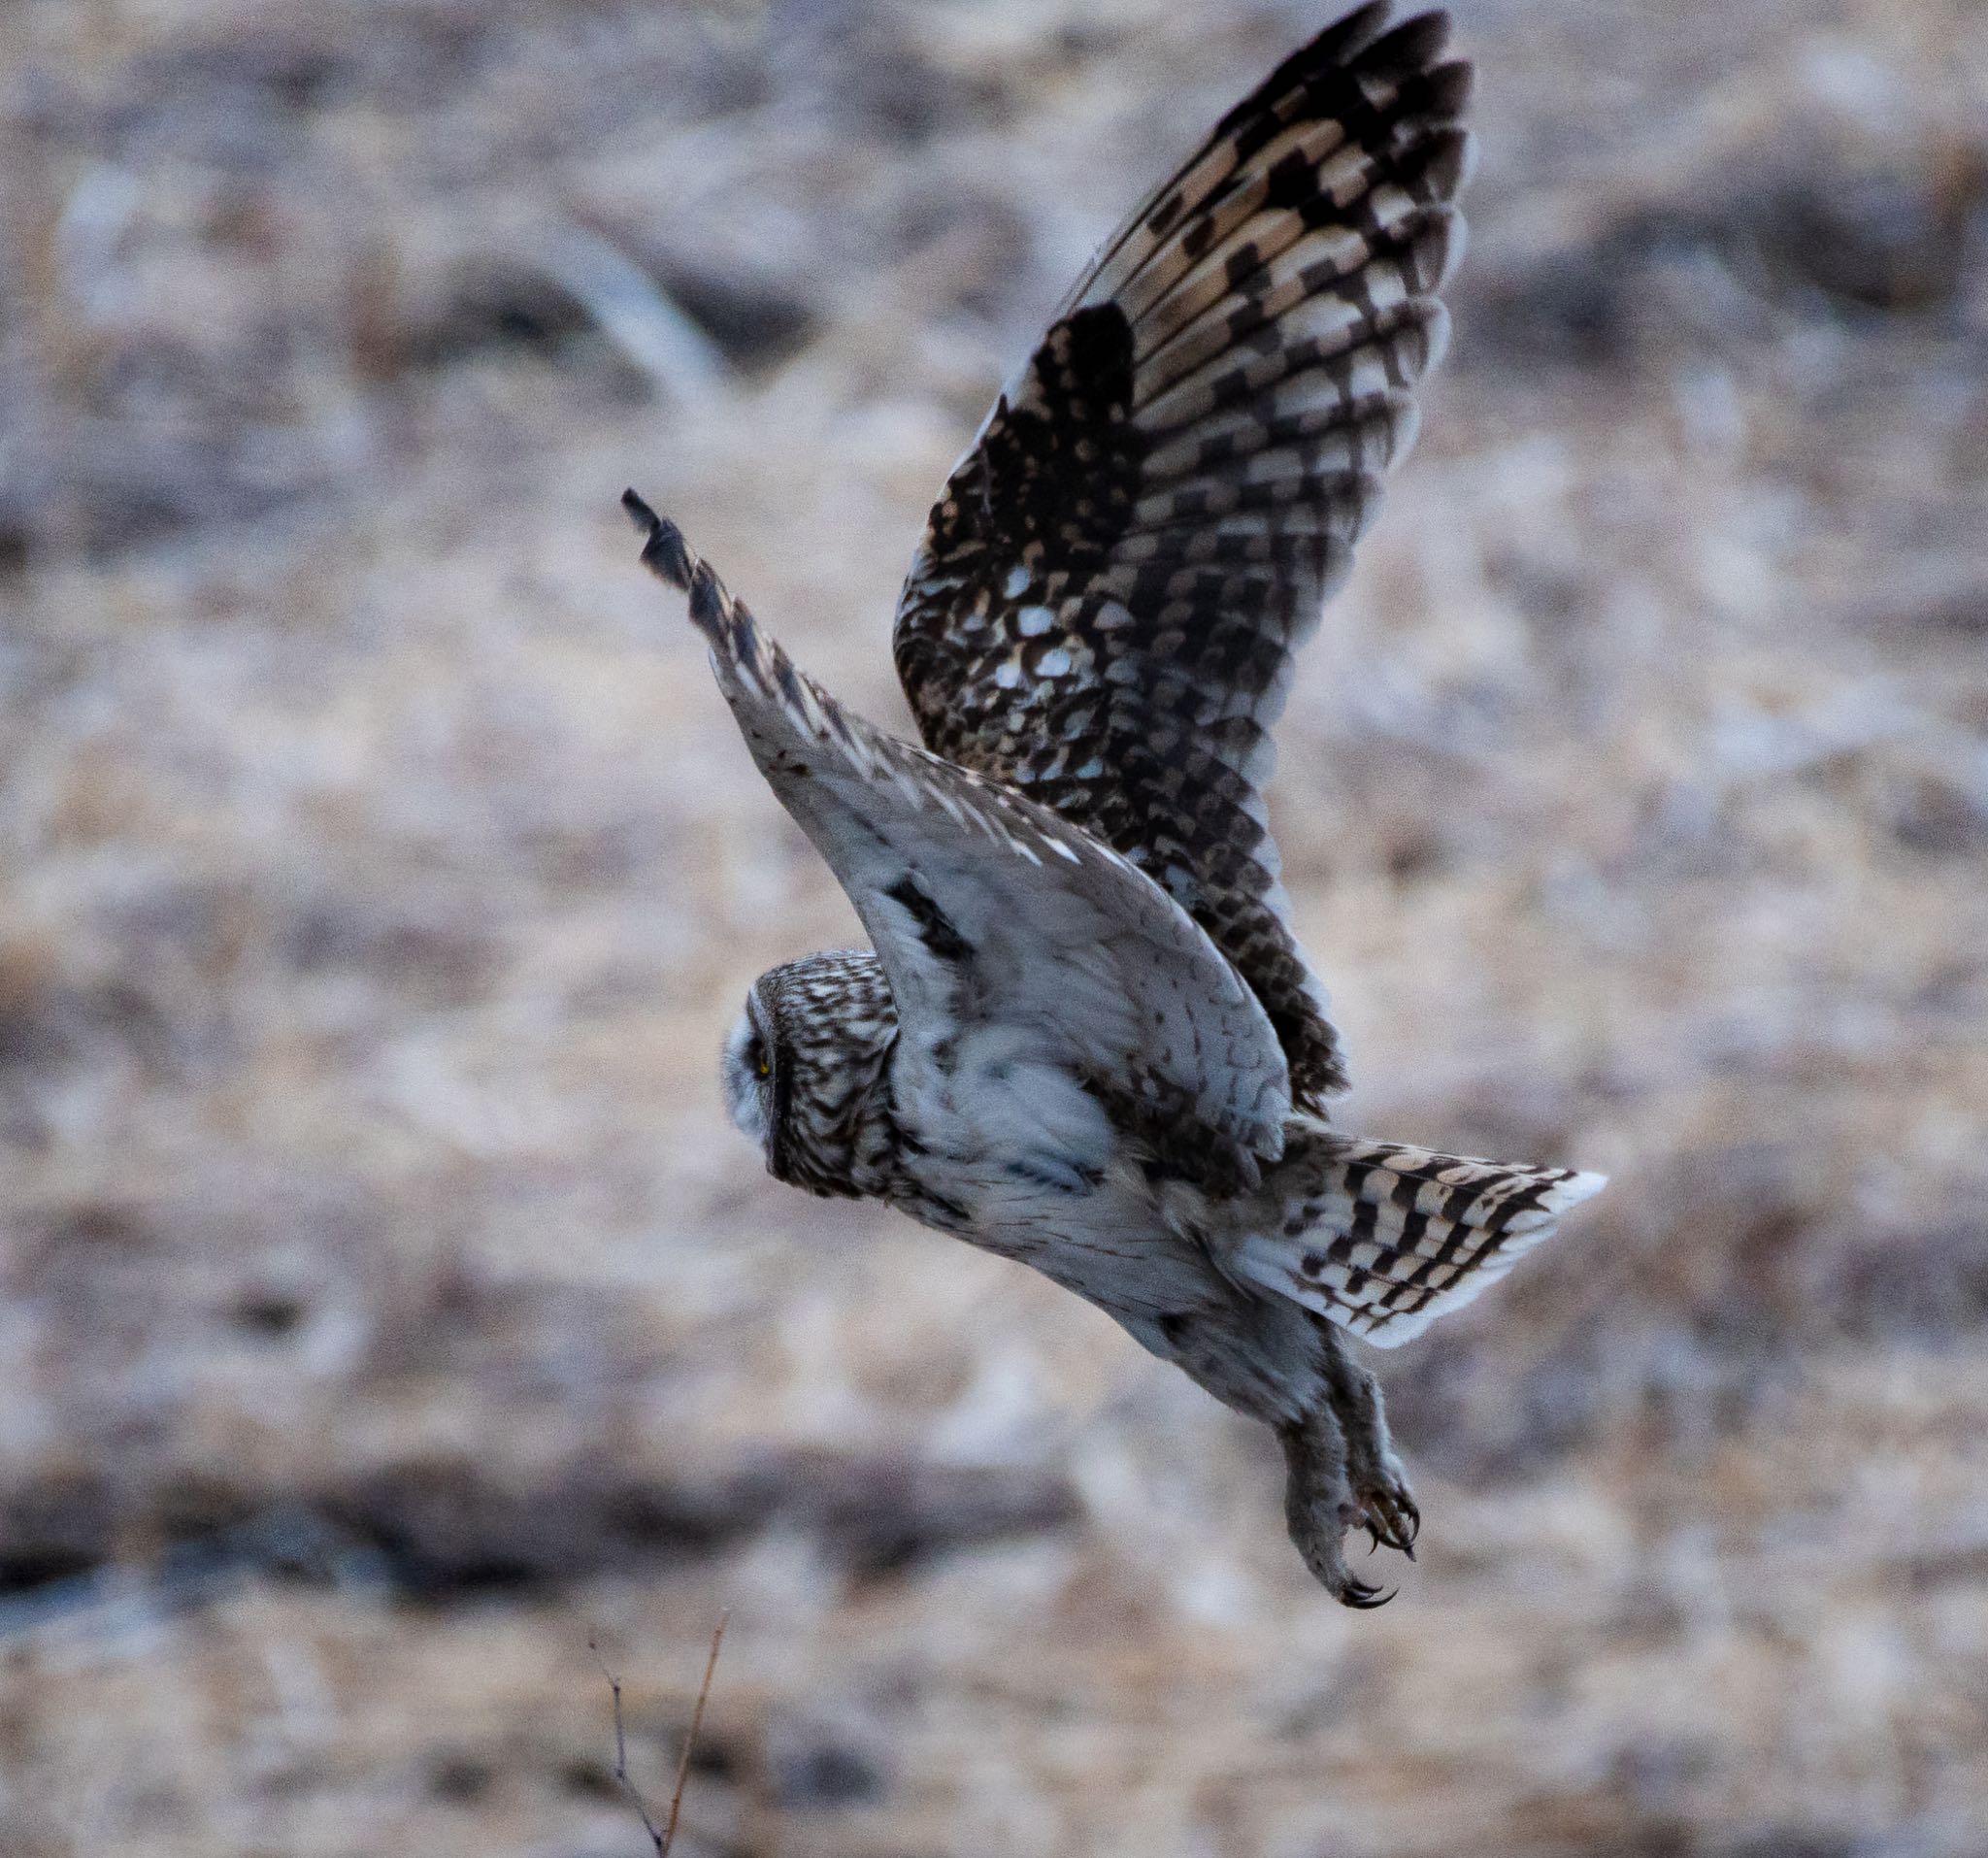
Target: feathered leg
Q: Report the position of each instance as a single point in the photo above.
(1319, 1503)
(1344, 1474)
(1382, 1505)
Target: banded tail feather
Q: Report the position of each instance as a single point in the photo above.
(1384, 1238)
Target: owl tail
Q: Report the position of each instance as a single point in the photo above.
(1385, 1239)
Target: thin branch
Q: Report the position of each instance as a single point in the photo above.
(711, 1665)
(661, 1839)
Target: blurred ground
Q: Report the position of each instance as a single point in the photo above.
(385, 1308)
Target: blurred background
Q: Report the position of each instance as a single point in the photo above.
(386, 1310)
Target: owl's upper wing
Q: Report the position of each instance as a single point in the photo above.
(991, 911)
(1105, 605)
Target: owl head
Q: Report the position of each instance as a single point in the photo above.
(802, 1064)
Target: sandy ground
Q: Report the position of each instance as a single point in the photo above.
(386, 1311)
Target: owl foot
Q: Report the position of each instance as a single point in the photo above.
(1320, 1504)
(1388, 1513)
(1380, 1500)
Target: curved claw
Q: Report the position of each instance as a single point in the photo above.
(1358, 1595)
(1391, 1520)
(1322, 1502)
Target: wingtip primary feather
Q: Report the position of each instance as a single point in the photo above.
(664, 551)
(670, 558)
(706, 599)
(1415, 45)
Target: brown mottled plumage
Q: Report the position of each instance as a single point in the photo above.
(1086, 1038)
(1107, 599)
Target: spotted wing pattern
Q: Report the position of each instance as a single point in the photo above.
(1105, 605)
(992, 914)
(1384, 1238)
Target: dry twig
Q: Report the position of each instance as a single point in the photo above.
(662, 1840)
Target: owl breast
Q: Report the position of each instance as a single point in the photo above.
(1013, 1153)
(992, 1117)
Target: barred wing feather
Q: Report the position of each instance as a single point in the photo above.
(993, 915)
(1103, 608)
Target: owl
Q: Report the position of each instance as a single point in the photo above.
(1084, 1035)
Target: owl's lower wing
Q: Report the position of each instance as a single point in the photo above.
(1105, 605)
(989, 913)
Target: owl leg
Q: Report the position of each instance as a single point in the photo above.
(1382, 1505)
(1319, 1505)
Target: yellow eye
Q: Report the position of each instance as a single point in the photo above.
(765, 1066)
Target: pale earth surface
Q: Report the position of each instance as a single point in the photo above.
(387, 1309)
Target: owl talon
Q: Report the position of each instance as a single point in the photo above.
(1365, 1599)
(1378, 1499)
(1389, 1516)
(1321, 1505)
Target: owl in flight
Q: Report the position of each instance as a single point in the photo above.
(1086, 1037)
